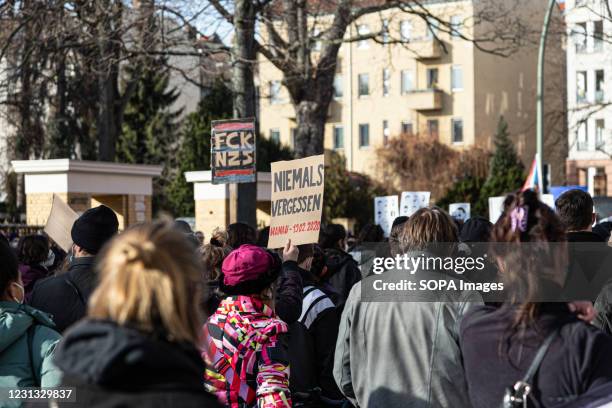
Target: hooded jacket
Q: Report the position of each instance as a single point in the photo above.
(112, 366)
(342, 273)
(27, 345)
(246, 355)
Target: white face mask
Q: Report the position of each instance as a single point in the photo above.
(22, 293)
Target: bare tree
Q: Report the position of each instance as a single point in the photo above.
(290, 29)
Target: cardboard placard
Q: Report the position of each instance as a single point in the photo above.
(413, 200)
(232, 151)
(459, 211)
(496, 208)
(297, 201)
(59, 223)
(549, 200)
(386, 209)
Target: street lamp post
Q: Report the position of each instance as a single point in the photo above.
(540, 97)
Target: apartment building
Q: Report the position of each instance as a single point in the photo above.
(589, 95)
(435, 83)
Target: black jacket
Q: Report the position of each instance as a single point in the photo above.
(578, 360)
(589, 257)
(312, 340)
(342, 273)
(116, 366)
(65, 296)
(288, 298)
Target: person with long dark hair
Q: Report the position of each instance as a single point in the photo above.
(530, 249)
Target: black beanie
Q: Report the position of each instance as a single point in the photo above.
(94, 228)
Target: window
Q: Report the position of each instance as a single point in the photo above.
(407, 128)
(293, 137)
(385, 132)
(386, 79)
(407, 81)
(338, 89)
(599, 86)
(456, 78)
(275, 135)
(597, 36)
(457, 130)
(363, 30)
(363, 84)
(275, 88)
(364, 135)
(432, 29)
(583, 136)
(405, 30)
(579, 35)
(385, 31)
(432, 78)
(317, 44)
(599, 133)
(581, 86)
(432, 128)
(338, 137)
(455, 25)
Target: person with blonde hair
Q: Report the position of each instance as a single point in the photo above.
(137, 344)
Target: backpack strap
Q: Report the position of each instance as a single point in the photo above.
(30, 342)
(537, 360)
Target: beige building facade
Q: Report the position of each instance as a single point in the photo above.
(434, 84)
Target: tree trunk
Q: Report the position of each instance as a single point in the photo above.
(243, 198)
(310, 118)
(109, 106)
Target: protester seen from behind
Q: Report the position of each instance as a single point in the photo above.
(244, 342)
(405, 353)
(138, 345)
(505, 340)
(65, 296)
(342, 270)
(239, 234)
(27, 337)
(32, 252)
(588, 252)
(313, 339)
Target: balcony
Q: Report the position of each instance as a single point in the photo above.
(426, 99)
(426, 48)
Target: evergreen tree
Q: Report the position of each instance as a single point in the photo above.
(194, 149)
(150, 127)
(506, 171)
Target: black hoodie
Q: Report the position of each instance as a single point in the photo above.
(342, 273)
(112, 366)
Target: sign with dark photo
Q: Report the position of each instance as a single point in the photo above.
(232, 151)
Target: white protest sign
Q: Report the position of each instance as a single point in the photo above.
(412, 201)
(496, 208)
(297, 201)
(59, 223)
(549, 200)
(459, 211)
(385, 211)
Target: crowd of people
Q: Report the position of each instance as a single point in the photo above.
(158, 316)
